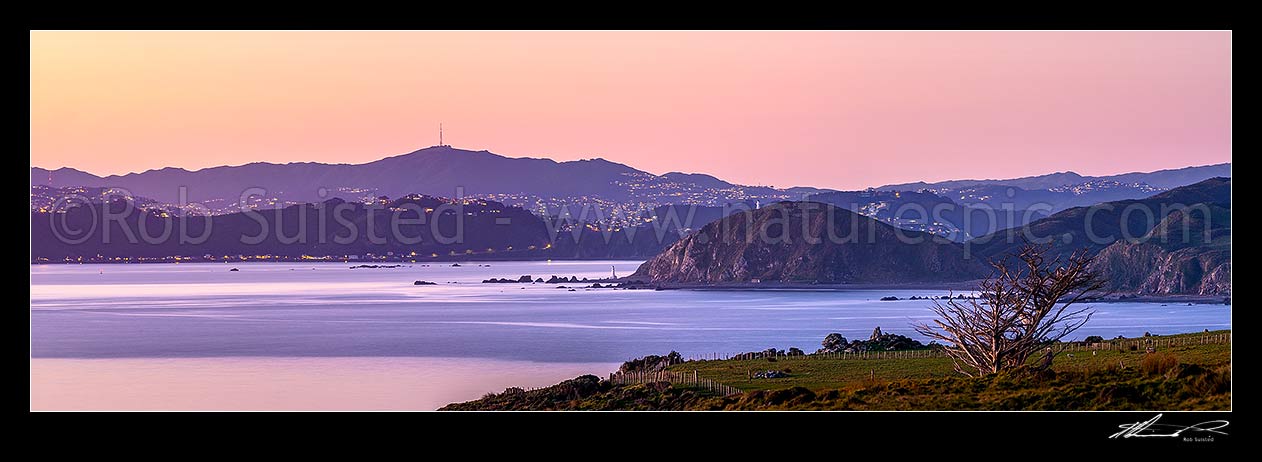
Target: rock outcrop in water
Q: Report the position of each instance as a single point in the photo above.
(807, 242)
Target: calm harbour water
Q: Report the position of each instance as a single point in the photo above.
(322, 336)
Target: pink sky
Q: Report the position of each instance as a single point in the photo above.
(828, 109)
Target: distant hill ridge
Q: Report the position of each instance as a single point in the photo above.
(1168, 178)
(415, 227)
(1179, 243)
(806, 242)
(438, 171)
(447, 171)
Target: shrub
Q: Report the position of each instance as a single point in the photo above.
(1210, 382)
(1094, 339)
(1158, 363)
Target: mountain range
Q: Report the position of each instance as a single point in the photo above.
(1145, 262)
(1054, 192)
(646, 213)
(546, 187)
(437, 171)
(1162, 179)
(1100, 225)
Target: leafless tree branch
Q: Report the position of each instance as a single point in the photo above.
(1026, 305)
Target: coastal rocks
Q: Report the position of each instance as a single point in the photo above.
(892, 298)
(234, 269)
(770, 374)
(879, 341)
(528, 279)
(424, 283)
(769, 354)
(834, 342)
(651, 363)
(376, 266)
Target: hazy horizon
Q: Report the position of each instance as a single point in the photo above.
(843, 109)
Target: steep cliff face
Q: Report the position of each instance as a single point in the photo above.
(1149, 269)
(1188, 252)
(808, 242)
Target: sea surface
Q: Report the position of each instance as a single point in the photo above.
(322, 336)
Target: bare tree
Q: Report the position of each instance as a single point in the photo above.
(1023, 307)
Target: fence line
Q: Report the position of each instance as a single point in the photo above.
(1141, 343)
(685, 379)
(1145, 342)
(692, 379)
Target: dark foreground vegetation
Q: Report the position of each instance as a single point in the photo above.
(1195, 376)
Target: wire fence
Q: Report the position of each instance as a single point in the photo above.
(682, 379)
(1121, 344)
(694, 380)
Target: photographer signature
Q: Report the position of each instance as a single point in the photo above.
(1150, 429)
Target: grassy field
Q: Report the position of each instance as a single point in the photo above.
(1183, 374)
(815, 373)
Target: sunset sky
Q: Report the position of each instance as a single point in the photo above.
(828, 109)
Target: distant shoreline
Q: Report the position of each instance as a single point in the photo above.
(952, 288)
(427, 260)
(628, 283)
(787, 286)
